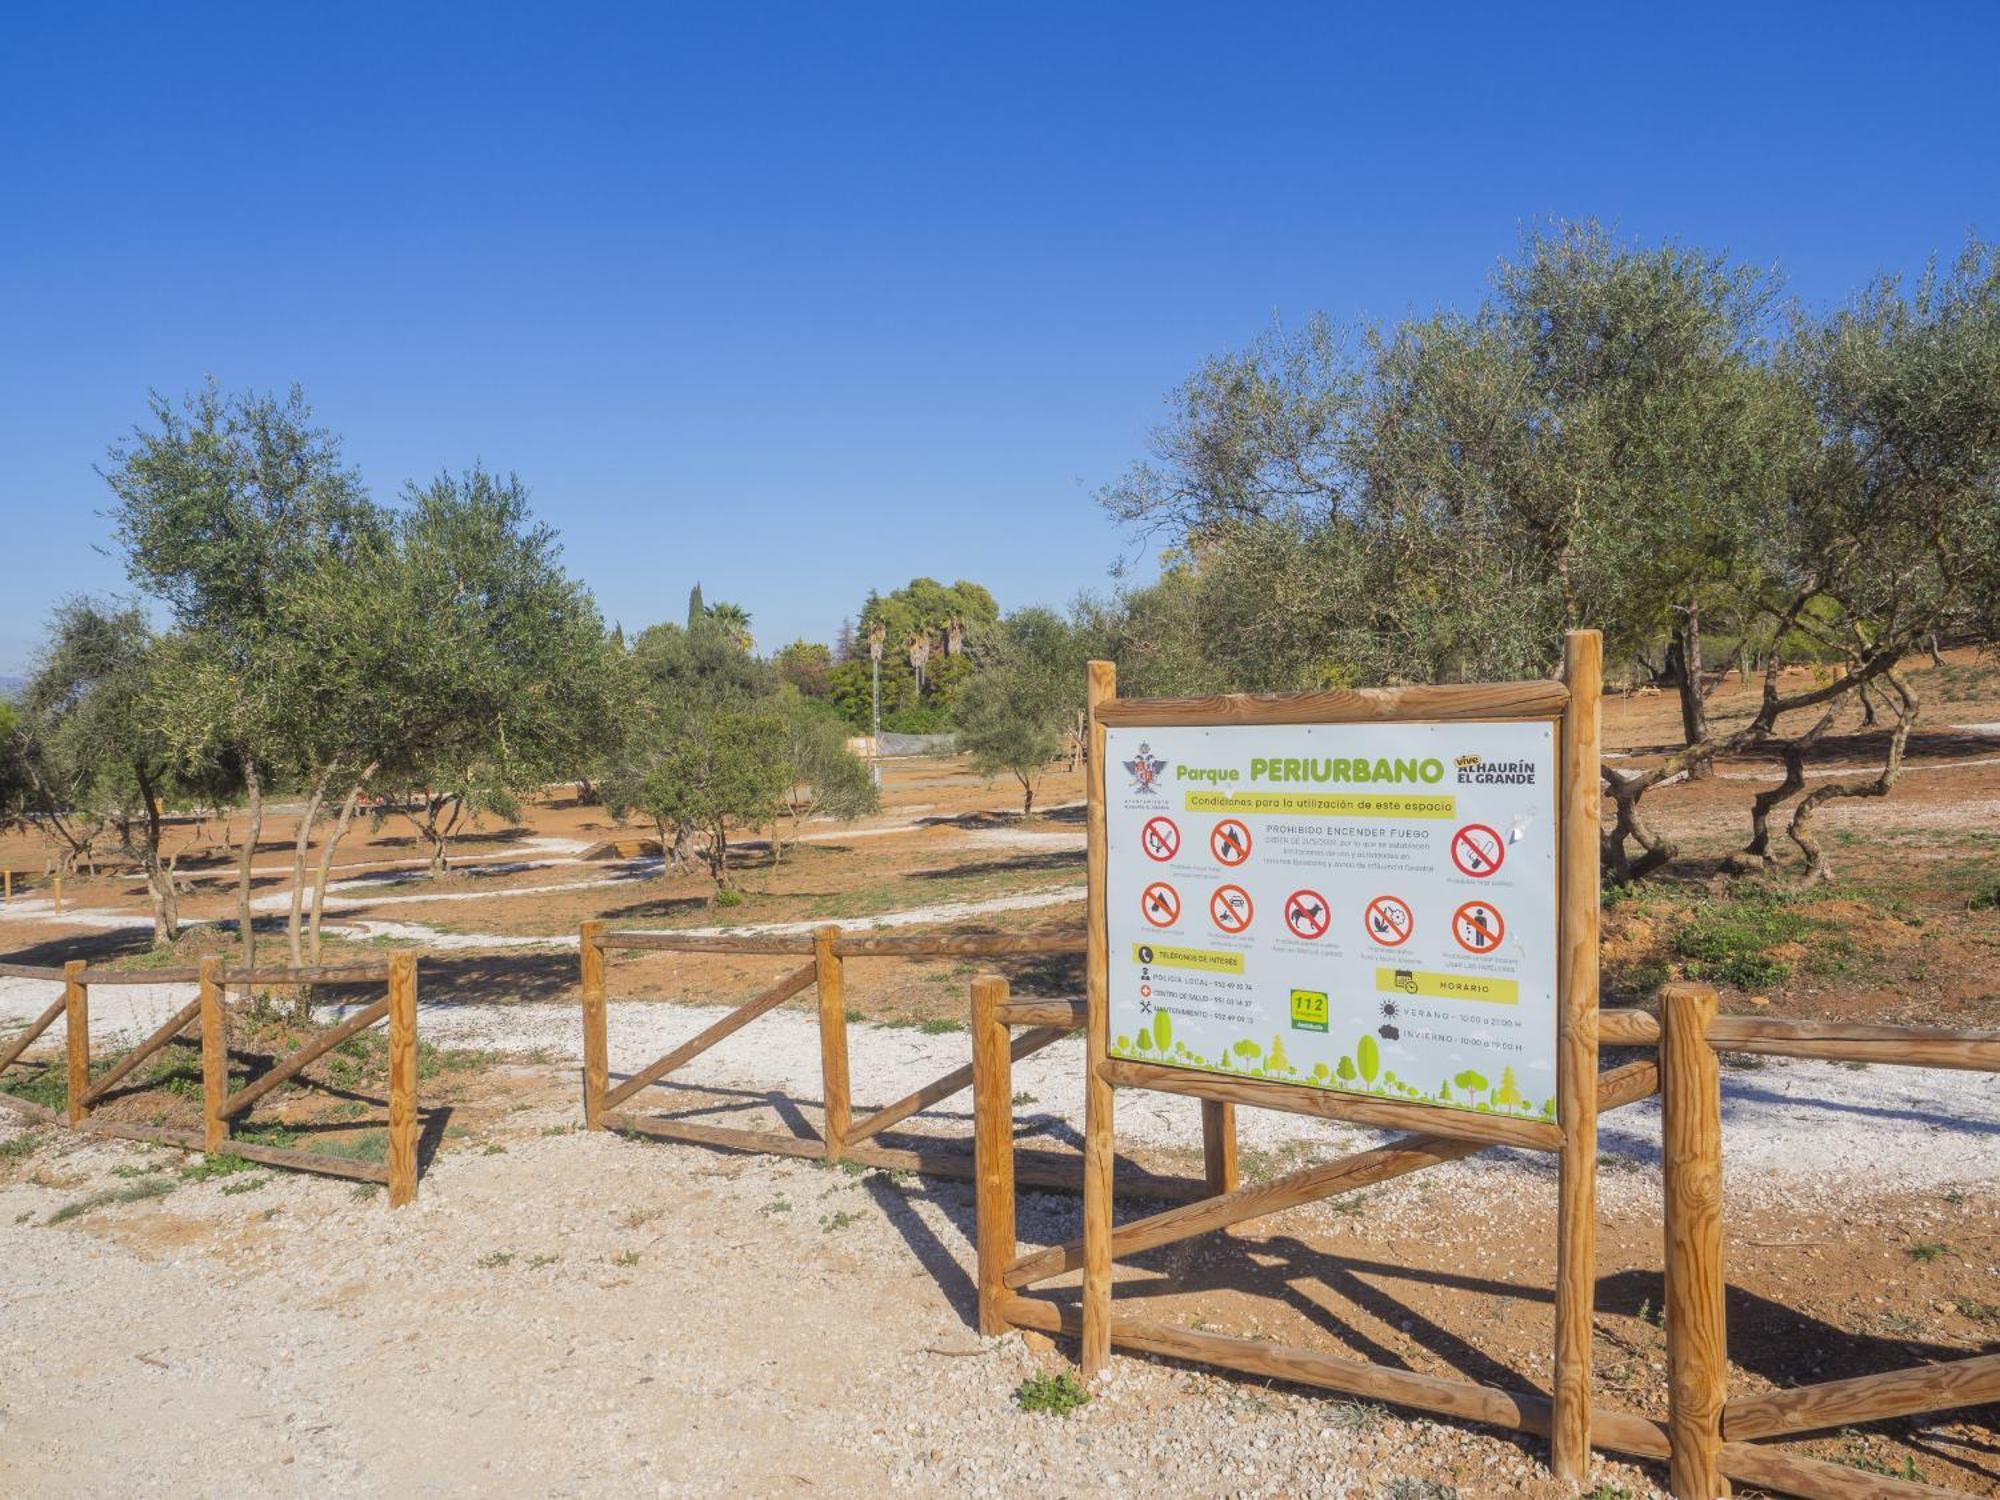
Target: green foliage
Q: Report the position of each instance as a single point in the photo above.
(90, 747)
(806, 666)
(926, 611)
(822, 778)
(1729, 940)
(1924, 1252)
(1052, 1394)
(1020, 708)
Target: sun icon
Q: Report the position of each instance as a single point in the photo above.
(1389, 1011)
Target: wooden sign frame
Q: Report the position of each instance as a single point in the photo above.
(1573, 703)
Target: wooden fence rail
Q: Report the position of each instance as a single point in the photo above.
(219, 1108)
(1712, 1435)
(840, 1137)
(1707, 1439)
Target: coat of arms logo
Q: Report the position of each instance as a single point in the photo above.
(1145, 770)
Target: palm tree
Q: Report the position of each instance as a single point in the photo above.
(734, 621)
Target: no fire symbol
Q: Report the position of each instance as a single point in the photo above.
(1307, 914)
(1478, 927)
(1229, 841)
(1161, 904)
(1230, 907)
(1477, 850)
(1160, 838)
(1389, 921)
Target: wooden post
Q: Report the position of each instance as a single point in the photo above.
(59, 893)
(992, 1147)
(1576, 1051)
(832, 983)
(1697, 1342)
(402, 1079)
(8, 893)
(214, 1058)
(1218, 1145)
(596, 1039)
(1099, 1145)
(76, 1018)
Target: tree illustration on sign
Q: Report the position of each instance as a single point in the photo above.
(1508, 1094)
(1163, 1030)
(1368, 1056)
(1345, 1072)
(1471, 1082)
(1278, 1062)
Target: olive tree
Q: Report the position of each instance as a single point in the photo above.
(221, 502)
(90, 752)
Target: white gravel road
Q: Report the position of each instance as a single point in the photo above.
(1797, 1133)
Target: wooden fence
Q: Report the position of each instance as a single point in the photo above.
(1706, 1435)
(220, 1109)
(842, 1137)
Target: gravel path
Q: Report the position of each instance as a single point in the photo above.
(1797, 1134)
(582, 1315)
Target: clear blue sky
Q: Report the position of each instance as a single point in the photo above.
(801, 300)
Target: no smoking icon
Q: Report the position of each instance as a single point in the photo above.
(1477, 850)
(1160, 838)
(1307, 914)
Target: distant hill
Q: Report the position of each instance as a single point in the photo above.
(11, 687)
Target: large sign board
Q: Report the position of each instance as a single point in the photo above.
(1369, 908)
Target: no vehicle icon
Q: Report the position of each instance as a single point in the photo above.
(1478, 927)
(1307, 914)
(1229, 841)
(1230, 907)
(1160, 838)
(1477, 850)
(1161, 904)
(1389, 921)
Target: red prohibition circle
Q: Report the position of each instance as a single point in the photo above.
(1471, 854)
(1484, 918)
(1229, 841)
(1308, 914)
(1389, 921)
(1160, 904)
(1160, 838)
(1224, 911)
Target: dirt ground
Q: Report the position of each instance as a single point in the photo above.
(570, 1314)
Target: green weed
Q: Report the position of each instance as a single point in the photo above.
(19, 1146)
(1979, 1312)
(1056, 1395)
(1926, 1251)
(215, 1166)
(625, 1258)
(136, 1192)
(246, 1185)
(496, 1260)
(837, 1220)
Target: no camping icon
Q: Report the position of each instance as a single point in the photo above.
(1478, 926)
(1160, 838)
(1478, 851)
(1160, 904)
(1308, 914)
